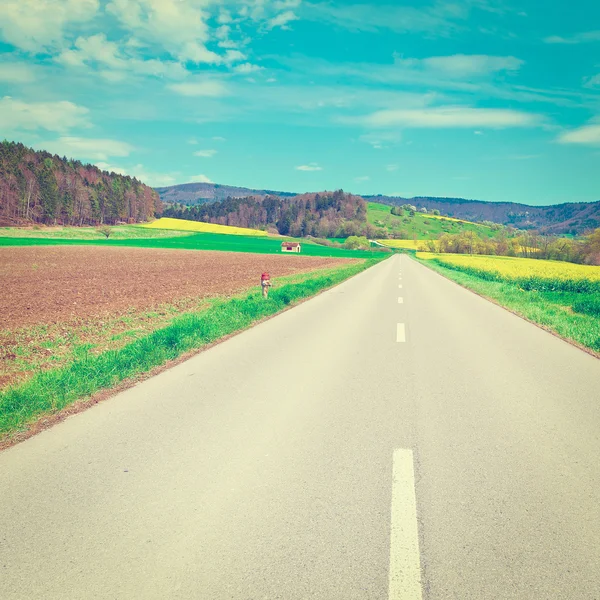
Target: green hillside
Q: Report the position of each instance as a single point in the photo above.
(422, 226)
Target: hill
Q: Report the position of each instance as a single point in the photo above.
(39, 187)
(567, 218)
(323, 215)
(414, 225)
(201, 193)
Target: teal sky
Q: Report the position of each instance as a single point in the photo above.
(488, 99)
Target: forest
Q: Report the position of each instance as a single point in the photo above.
(328, 214)
(39, 187)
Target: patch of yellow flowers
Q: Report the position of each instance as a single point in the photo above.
(527, 273)
(184, 225)
(515, 268)
(406, 244)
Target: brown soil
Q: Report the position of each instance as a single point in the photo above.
(48, 285)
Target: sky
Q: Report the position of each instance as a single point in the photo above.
(494, 100)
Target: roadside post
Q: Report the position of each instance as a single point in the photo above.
(265, 282)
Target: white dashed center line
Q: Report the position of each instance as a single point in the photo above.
(400, 332)
(405, 560)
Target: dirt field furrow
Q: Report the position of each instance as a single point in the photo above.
(49, 285)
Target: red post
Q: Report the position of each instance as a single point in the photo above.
(265, 282)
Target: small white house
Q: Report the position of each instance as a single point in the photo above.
(291, 247)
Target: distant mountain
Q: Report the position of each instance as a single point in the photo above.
(572, 218)
(39, 187)
(201, 193)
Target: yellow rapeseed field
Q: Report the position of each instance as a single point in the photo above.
(529, 273)
(184, 225)
(512, 268)
(443, 218)
(406, 244)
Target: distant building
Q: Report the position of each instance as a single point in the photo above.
(291, 247)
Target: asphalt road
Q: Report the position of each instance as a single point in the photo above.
(358, 446)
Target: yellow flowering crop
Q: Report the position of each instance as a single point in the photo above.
(443, 218)
(406, 244)
(184, 225)
(528, 273)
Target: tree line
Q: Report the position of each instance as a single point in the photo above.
(526, 244)
(322, 215)
(39, 187)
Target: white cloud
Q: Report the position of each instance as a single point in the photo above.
(363, 178)
(210, 88)
(36, 25)
(391, 168)
(592, 82)
(449, 117)
(441, 17)
(15, 72)
(382, 139)
(234, 56)
(52, 116)
(179, 27)
(588, 134)
(98, 50)
(225, 17)
(205, 153)
(478, 132)
(457, 71)
(218, 138)
(309, 167)
(578, 38)
(150, 178)
(110, 168)
(200, 179)
(247, 68)
(282, 20)
(87, 148)
(466, 65)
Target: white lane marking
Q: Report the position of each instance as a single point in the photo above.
(400, 300)
(400, 332)
(405, 560)
(400, 286)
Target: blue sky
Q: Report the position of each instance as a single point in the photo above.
(489, 99)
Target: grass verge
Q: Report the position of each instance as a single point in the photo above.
(553, 310)
(53, 390)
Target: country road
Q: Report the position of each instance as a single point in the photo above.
(396, 437)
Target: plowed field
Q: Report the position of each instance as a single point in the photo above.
(49, 285)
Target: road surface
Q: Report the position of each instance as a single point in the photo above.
(395, 437)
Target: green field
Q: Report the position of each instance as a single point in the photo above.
(566, 305)
(421, 226)
(117, 232)
(198, 241)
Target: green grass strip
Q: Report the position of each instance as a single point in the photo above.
(200, 241)
(550, 308)
(53, 390)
